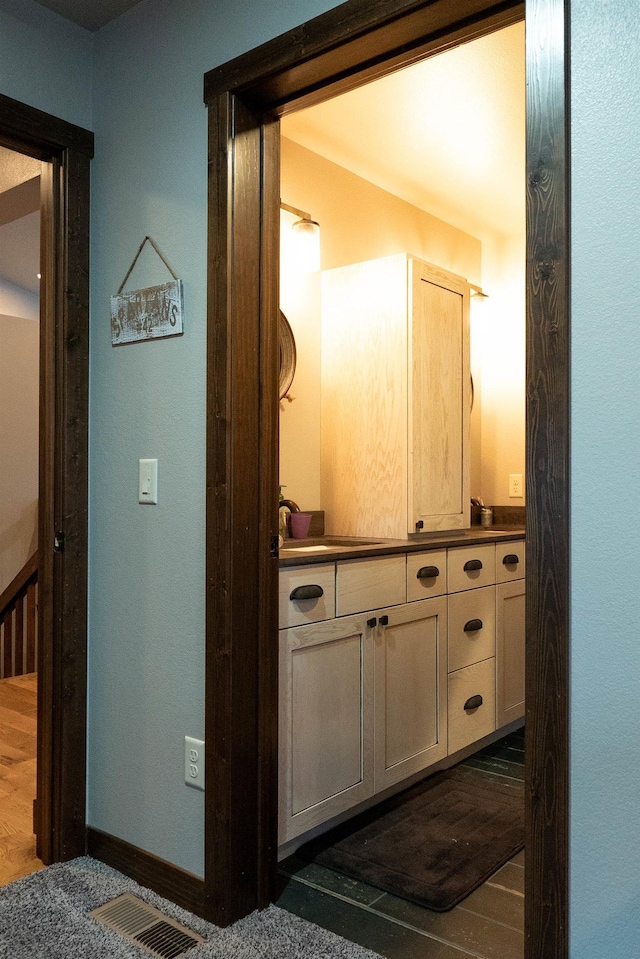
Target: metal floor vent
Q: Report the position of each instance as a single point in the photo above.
(151, 929)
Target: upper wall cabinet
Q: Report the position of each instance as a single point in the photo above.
(395, 398)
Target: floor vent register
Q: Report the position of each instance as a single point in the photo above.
(148, 927)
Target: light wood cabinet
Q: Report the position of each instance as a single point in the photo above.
(369, 699)
(510, 651)
(410, 689)
(395, 398)
(471, 704)
(307, 594)
(363, 584)
(326, 721)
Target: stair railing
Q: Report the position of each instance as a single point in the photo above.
(19, 622)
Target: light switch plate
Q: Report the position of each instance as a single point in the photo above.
(148, 482)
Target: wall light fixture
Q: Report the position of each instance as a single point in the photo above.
(308, 234)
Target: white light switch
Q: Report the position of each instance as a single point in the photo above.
(148, 482)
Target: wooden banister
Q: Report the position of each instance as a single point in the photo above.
(18, 622)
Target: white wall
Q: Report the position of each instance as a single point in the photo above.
(605, 480)
(16, 301)
(19, 354)
(499, 333)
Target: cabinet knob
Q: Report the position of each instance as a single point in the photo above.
(472, 626)
(473, 702)
(384, 620)
(372, 623)
(306, 592)
(472, 564)
(419, 524)
(428, 572)
(510, 560)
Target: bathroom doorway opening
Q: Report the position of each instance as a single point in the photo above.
(338, 51)
(428, 162)
(44, 604)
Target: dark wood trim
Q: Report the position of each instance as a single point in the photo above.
(64, 378)
(333, 53)
(27, 130)
(361, 39)
(268, 654)
(175, 884)
(548, 440)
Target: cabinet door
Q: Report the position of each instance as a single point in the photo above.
(439, 404)
(363, 477)
(410, 689)
(326, 721)
(510, 646)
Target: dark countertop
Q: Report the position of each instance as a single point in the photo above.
(388, 547)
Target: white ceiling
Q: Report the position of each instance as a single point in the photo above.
(447, 134)
(91, 14)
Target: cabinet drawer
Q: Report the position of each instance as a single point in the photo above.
(505, 572)
(299, 612)
(468, 725)
(472, 627)
(480, 563)
(420, 585)
(363, 584)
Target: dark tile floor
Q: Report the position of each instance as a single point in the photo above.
(488, 924)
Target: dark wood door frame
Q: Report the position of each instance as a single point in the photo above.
(64, 378)
(353, 43)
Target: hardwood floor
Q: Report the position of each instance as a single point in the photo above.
(488, 924)
(18, 729)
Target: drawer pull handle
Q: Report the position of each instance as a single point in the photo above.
(428, 572)
(472, 626)
(306, 592)
(372, 623)
(473, 702)
(384, 620)
(510, 560)
(472, 564)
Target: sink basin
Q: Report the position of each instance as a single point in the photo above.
(325, 543)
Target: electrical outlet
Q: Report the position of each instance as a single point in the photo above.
(194, 762)
(515, 485)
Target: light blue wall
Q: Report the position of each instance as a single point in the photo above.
(45, 61)
(605, 480)
(148, 400)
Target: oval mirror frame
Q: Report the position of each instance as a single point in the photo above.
(287, 351)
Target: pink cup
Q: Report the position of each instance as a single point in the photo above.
(299, 524)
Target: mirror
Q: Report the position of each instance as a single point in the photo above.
(287, 350)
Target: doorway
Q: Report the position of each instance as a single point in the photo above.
(427, 162)
(51, 586)
(341, 50)
(19, 443)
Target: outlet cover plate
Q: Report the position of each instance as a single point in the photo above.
(194, 762)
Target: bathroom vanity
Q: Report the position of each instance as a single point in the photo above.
(394, 657)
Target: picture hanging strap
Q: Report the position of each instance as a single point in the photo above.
(135, 260)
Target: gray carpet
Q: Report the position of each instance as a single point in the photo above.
(44, 916)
